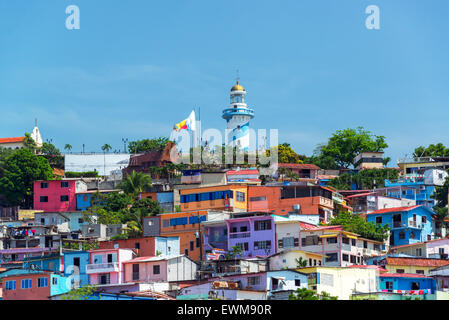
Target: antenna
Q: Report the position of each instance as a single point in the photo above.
(238, 76)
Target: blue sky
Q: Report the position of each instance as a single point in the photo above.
(310, 68)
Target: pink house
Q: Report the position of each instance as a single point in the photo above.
(57, 195)
(106, 265)
(160, 269)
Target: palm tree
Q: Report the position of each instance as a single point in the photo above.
(135, 226)
(106, 147)
(68, 147)
(136, 183)
(301, 263)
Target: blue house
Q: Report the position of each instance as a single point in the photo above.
(52, 262)
(406, 283)
(413, 188)
(283, 282)
(83, 199)
(407, 224)
(73, 261)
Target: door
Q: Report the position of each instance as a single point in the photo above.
(136, 271)
(396, 220)
(110, 258)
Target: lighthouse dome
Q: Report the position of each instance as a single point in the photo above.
(237, 87)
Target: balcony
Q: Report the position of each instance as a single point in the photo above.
(237, 235)
(102, 267)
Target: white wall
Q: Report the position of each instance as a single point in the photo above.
(91, 162)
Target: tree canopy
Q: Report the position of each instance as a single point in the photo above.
(147, 145)
(287, 155)
(18, 172)
(344, 145)
(306, 294)
(433, 150)
(364, 179)
(356, 224)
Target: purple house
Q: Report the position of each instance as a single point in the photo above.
(254, 233)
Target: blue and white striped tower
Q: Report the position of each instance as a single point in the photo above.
(237, 116)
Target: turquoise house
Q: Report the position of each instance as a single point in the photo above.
(52, 262)
(405, 283)
(407, 225)
(75, 263)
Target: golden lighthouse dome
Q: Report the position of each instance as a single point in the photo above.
(237, 87)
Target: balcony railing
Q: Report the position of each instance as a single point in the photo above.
(102, 267)
(237, 235)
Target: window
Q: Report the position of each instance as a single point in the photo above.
(389, 285)
(26, 283)
(44, 199)
(10, 285)
(165, 223)
(263, 198)
(156, 269)
(42, 282)
(239, 196)
(424, 219)
(345, 257)
(379, 220)
(64, 198)
(399, 270)
(244, 229)
(76, 262)
(415, 285)
(332, 240)
(310, 241)
(288, 242)
(377, 247)
(137, 245)
(136, 271)
(198, 244)
(420, 271)
(297, 282)
(253, 281)
(441, 250)
(345, 240)
(419, 252)
(186, 252)
(85, 198)
(104, 278)
(353, 242)
(44, 185)
(64, 184)
(280, 243)
(412, 235)
(233, 229)
(261, 245)
(192, 245)
(262, 225)
(429, 237)
(353, 259)
(330, 257)
(402, 235)
(365, 244)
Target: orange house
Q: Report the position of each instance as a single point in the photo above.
(225, 197)
(185, 225)
(283, 200)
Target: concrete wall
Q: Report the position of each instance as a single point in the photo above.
(98, 162)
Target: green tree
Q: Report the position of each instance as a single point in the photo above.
(364, 179)
(301, 263)
(29, 142)
(440, 194)
(106, 147)
(306, 294)
(136, 183)
(19, 171)
(356, 224)
(344, 145)
(68, 147)
(148, 145)
(287, 155)
(82, 293)
(49, 149)
(433, 150)
(442, 217)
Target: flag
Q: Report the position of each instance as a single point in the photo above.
(188, 124)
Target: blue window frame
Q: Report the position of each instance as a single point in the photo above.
(42, 282)
(26, 283)
(10, 285)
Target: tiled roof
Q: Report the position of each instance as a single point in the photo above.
(418, 262)
(240, 172)
(298, 166)
(398, 209)
(307, 226)
(360, 195)
(11, 140)
(404, 275)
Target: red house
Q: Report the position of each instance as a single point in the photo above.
(57, 195)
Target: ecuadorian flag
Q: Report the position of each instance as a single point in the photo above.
(188, 124)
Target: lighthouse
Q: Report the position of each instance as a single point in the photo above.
(237, 117)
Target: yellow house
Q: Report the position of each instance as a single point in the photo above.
(342, 282)
(287, 259)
